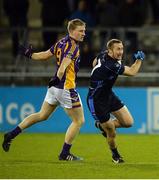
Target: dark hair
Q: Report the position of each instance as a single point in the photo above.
(111, 42)
(72, 24)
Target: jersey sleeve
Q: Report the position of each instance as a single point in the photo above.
(101, 55)
(121, 69)
(53, 49)
(118, 68)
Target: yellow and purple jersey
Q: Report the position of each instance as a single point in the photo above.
(69, 48)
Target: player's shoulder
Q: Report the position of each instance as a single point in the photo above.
(64, 40)
(66, 43)
(102, 55)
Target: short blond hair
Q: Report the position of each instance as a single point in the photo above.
(72, 24)
(111, 42)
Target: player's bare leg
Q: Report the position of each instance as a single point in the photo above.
(42, 115)
(77, 117)
(123, 118)
(111, 134)
(109, 128)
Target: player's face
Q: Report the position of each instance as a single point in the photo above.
(79, 33)
(117, 51)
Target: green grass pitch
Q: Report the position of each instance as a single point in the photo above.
(35, 156)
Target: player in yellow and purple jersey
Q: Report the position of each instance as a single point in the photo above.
(67, 48)
(61, 89)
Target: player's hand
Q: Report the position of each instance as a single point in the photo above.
(26, 50)
(54, 81)
(139, 55)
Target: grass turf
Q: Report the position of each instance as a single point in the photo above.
(36, 156)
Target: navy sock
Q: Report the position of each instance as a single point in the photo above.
(115, 152)
(66, 149)
(15, 132)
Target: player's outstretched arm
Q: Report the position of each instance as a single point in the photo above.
(134, 68)
(28, 52)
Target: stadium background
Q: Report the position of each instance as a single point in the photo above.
(16, 72)
(23, 83)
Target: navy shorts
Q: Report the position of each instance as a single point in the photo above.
(101, 104)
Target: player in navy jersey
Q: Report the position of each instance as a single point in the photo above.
(101, 99)
(61, 89)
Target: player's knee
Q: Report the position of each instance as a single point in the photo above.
(129, 123)
(81, 121)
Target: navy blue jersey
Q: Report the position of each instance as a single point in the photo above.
(101, 99)
(106, 71)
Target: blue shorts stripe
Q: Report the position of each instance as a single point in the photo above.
(92, 109)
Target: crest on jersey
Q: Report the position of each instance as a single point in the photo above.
(69, 55)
